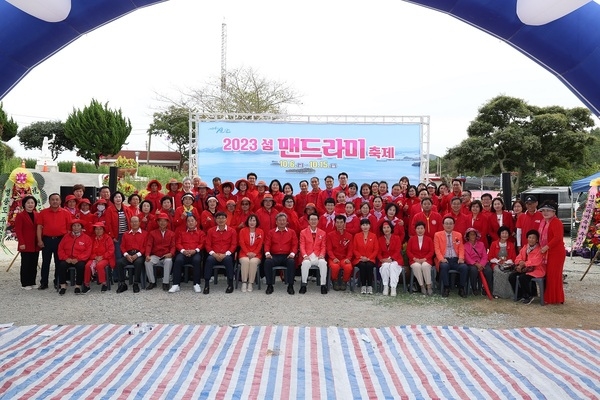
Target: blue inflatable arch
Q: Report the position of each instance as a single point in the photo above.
(563, 36)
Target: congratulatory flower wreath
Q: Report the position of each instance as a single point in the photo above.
(588, 235)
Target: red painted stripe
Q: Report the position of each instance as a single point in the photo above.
(357, 346)
(505, 378)
(51, 355)
(260, 365)
(316, 359)
(421, 372)
(286, 380)
(389, 365)
(232, 361)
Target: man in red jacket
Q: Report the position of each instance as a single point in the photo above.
(313, 245)
(52, 224)
(221, 243)
(189, 243)
(160, 249)
(133, 245)
(74, 250)
(339, 253)
(281, 246)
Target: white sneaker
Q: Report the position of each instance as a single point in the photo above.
(249, 287)
(369, 289)
(244, 287)
(363, 290)
(174, 289)
(27, 287)
(385, 290)
(197, 288)
(393, 292)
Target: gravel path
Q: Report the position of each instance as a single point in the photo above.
(343, 309)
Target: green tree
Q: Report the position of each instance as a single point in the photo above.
(510, 135)
(32, 136)
(8, 127)
(97, 130)
(173, 124)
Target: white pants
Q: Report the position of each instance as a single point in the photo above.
(390, 271)
(422, 272)
(166, 263)
(314, 260)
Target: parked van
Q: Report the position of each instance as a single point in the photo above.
(562, 196)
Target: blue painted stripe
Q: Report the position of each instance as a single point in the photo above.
(371, 356)
(253, 352)
(301, 363)
(271, 374)
(349, 355)
(398, 358)
(327, 365)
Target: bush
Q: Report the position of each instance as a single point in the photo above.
(159, 173)
(82, 167)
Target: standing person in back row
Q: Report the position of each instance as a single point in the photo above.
(553, 251)
(528, 220)
(52, 224)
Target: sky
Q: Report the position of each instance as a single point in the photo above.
(384, 57)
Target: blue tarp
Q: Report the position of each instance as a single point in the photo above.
(583, 185)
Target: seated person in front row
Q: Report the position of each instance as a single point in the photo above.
(450, 255)
(281, 246)
(132, 247)
(313, 245)
(339, 253)
(74, 250)
(528, 265)
(221, 243)
(188, 242)
(160, 249)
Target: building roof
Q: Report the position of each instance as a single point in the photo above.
(156, 157)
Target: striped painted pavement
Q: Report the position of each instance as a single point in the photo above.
(245, 362)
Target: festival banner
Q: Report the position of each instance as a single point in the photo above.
(292, 151)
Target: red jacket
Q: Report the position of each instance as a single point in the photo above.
(103, 246)
(368, 249)
(207, 220)
(308, 245)
(134, 241)
(112, 219)
(323, 195)
(327, 222)
(301, 200)
(159, 245)
(25, 229)
(433, 223)
(190, 240)
(281, 242)
(393, 250)
(495, 249)
(88, 220)
(154, 198)
(244, 242)
(180, 221)
(339, 245)
(425, 251)
(266, 219)
(150, 223)
(54, 222)
(221, 241)
(79, 247)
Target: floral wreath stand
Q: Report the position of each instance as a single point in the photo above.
(588, 235)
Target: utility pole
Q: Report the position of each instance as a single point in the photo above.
(223, 56)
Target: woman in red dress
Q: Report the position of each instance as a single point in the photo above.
(553, 251)
(25, 229)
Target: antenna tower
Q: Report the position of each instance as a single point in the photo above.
(223, 55)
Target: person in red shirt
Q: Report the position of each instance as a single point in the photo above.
(147, 217)
(241, 215)
(275, 190)
(250, 239)
(71, 204)
(290, 211)
(528, 220)
(251, 177)
(466, 201)
(420, 250)
(225, 195)
(365, 196)
(343, 184)
(352, 220)
(310, 208)
(133, 245)
(102, 256)
(184, 211)
(281, 246)
(154, 187)
(242, 186)
(456, 192)
(390, 257)
(160, 249)
(266, 214)
(340, 202)
(431, 219)
(207, 218)
(391, 216)
(74, 250)
(261, 192)
(461, 221)
(86, 216)
(25, 229)
(313, 246)
(325, 194)
(301, 199)
(201, 197)
(339, 254)
(52, 224)
(189, 243)
(327, 220)
(365, 247)
(174, 191)
(221, 243)
(313, 195)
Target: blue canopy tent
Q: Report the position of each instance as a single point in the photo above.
(583, 185)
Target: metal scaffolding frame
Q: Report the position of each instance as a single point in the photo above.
(423, 121)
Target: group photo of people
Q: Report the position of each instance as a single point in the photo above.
(371, 237)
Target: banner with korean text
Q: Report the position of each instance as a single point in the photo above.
(292, 151)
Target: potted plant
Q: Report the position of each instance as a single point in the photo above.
(127, 166)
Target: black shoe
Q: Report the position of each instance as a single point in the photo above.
(77, 290)
(151, 286)
(62, 291)
(476, 292)
(166, 287)
(323, 289)
(229, 289)
(85, 289)
(461, 293)
(136, 288)
(291, 289)
(446, 292)
(103, 289)
(43, 286)
(302, 289)
(206, 290)
(343, 287)
(269, 289)
(123, 287)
